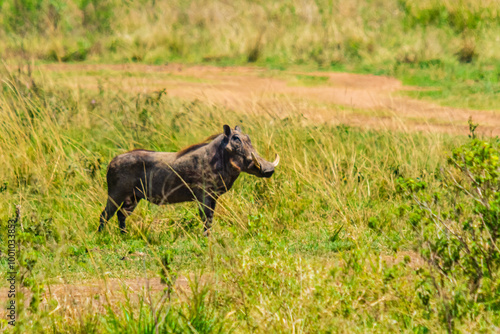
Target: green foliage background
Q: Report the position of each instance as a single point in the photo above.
(449, 46)
(323, 33)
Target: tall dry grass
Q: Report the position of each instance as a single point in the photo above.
(321, 34)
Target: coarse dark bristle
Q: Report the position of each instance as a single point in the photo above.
(194, 147)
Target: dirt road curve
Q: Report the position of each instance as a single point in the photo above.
(359, 100)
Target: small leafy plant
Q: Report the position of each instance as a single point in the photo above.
(458, 224)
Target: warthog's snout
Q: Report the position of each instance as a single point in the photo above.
(265, 168)
(267, 172)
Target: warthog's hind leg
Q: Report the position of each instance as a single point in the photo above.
(107, 214)
(127, 208)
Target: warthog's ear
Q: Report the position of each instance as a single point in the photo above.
(227, 130)
(237, 128)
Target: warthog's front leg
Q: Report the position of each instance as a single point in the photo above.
(207, 213)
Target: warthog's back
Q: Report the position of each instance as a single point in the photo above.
(140, 159)
(152, 175)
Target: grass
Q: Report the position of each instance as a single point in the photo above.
(325, 245)
(310, 80)
(465, 86)
(447, 45)
(320, 246)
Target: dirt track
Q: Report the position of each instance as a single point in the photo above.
(358, 100)
(96, 295)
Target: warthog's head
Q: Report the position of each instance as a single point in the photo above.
(243, 157)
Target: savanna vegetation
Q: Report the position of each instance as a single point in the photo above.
(451, 47)
(358, 230)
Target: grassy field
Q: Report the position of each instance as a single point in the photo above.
(450, 46)
(359, 230)
(324, 245)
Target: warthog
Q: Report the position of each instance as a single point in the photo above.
(200, 172)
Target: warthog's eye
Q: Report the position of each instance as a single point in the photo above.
(237, 139)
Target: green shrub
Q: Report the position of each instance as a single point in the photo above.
(460, 16)
(457, 222)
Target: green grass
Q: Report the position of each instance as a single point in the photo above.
(465, 86)
(311, 80)
(325, 245)
(319, 246)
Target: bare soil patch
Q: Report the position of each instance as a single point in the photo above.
(367, 101)
(96, 295)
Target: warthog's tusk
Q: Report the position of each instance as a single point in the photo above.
(257, 164)
(276, 161)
